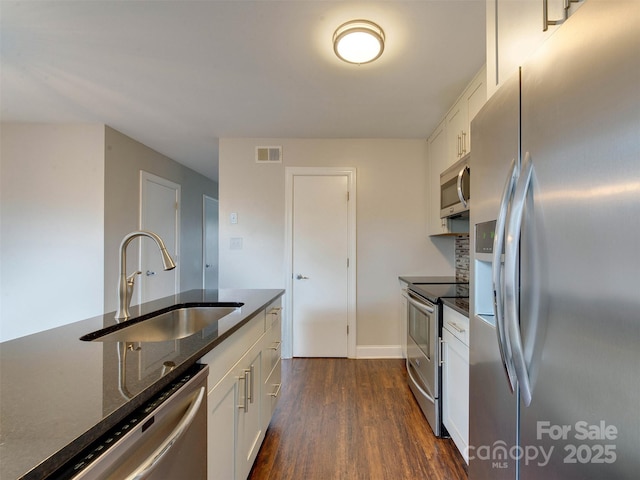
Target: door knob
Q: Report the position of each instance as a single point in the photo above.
(302, 277)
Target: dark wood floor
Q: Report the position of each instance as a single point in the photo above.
(352, 419)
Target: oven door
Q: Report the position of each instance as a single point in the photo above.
(422, 355)
(422, 324)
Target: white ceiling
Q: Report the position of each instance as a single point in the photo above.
(178, 75)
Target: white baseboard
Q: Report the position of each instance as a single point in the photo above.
(379, 351)
(376, 351)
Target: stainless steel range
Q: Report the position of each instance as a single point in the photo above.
(424, 332)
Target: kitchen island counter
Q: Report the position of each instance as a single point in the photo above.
(59, 393)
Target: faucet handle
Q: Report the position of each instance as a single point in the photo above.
(132, 278)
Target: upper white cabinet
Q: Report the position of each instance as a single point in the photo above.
(450, 141)
(438, 161)
(459, 118)
(515, 29)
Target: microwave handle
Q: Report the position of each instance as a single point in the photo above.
(460, 192)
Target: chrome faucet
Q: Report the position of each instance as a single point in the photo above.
(125, 284)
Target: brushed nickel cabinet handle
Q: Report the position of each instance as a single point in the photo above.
(245, 378)
(277, 392)
(456, 327)
(545, 15)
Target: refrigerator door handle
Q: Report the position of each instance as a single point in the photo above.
(511, 277)
(496, 273)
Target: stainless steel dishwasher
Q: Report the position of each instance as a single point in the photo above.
(165, 439)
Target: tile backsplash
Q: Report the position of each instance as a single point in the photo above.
(462, 258)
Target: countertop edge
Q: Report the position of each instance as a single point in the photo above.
(452, 304)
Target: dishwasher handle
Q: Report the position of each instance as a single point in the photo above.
(147, 467)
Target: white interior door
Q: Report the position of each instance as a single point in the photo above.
(210, 242)
(159, 213)
(320, 255)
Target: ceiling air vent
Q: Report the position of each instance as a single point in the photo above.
(268, 154)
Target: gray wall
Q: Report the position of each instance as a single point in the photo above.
(124, 158)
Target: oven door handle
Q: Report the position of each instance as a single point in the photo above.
(417, 384)
(419, 305)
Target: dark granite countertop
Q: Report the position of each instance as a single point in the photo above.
(460, 305)
(425, 279)
(58, 393)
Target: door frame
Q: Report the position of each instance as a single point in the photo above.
(287, 318)
(144, 177)
(206, 197)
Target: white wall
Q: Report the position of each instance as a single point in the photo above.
(391, 221)
(51, 263)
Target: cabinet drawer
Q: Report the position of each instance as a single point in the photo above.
(457, 324)
(274, 313)
(272, 387)
(273, 347)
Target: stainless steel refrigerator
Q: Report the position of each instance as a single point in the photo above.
(555, 297)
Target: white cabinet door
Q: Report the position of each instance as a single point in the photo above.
(437, 156)
(515, 29)
(475, 97)
(457, 131)
(234, 424)
(459, 117)
(222, 419)
(250, 432)
(455, 391)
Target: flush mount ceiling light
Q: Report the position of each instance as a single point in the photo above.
(358, 41)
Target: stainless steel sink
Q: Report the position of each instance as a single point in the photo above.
(171, 325)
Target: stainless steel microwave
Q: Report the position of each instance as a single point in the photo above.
(455, 189)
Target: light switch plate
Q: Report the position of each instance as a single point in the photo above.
(233, 218)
